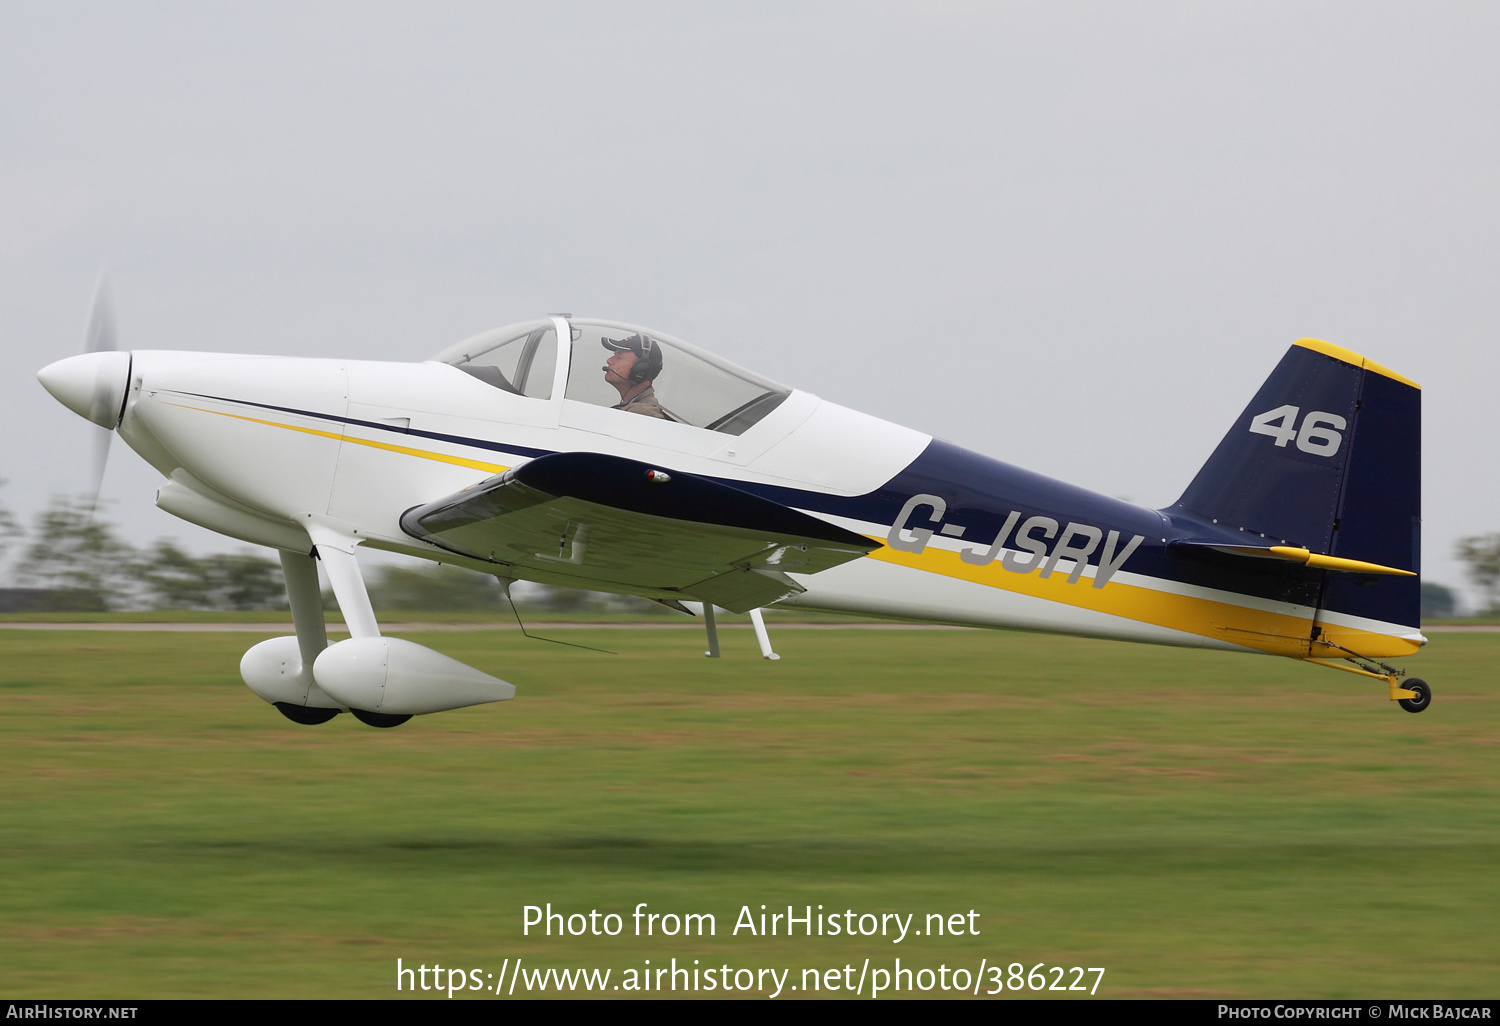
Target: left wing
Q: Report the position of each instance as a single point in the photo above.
(609, 523)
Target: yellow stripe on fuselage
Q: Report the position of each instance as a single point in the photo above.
(460, 461)
(1275, 633)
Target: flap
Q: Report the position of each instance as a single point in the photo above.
(618, 525)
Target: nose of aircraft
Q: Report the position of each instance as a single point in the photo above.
(92, 385)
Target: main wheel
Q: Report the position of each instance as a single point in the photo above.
(1423, 699)
(379, 719)
(305, 714)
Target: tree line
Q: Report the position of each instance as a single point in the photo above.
(77, 556)
(73, 559)
(77, 559)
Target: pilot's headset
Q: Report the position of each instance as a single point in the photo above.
(648, 355)
(649, 364)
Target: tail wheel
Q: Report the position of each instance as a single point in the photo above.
(1423, 699)
(305, 715)
(375, 719)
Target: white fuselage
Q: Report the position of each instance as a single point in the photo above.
(253, 444)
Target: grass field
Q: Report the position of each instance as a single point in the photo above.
(1200, 824)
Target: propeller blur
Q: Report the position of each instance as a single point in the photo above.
(92, 385)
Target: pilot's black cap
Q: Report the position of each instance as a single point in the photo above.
(643, 346)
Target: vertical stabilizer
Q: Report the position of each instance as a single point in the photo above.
(1327, 457)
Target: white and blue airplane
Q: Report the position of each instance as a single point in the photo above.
(599, 455)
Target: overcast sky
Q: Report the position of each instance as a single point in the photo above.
(1073, 236)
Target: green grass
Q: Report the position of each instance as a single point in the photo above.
(1200, 824)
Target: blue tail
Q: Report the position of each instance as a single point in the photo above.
(1327, 457)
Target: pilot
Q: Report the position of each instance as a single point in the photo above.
(632, 368)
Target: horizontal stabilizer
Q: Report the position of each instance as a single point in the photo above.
(612, 524)
(1312, 560)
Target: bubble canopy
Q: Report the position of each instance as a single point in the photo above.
(693, 387)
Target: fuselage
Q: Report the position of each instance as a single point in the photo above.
(250, 444)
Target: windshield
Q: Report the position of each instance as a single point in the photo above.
(519, 358)
(643, 372)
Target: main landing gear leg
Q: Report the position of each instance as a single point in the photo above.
(310, 705)
(348, 586)
(336, 549)
(306, 600)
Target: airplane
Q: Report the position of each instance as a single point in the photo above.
(601, 455)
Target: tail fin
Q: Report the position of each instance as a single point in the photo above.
(1327, 457)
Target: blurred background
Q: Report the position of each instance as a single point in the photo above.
(1074, 236)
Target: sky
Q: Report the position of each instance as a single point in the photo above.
(1073, 236)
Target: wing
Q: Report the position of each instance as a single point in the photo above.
(613, 524)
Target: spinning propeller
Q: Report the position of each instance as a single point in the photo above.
(93, 384)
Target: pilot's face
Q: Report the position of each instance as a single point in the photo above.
(617, 367)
